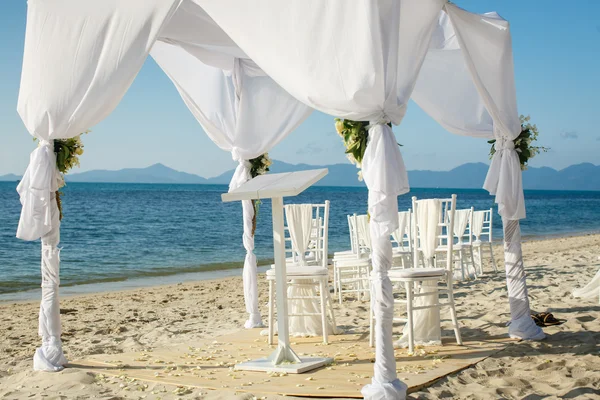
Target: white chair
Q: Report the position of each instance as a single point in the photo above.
(351, 269)
(427, 230)
(306, 271)
(402, 254)
(482, 227)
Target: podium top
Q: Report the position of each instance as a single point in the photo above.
(275, 185)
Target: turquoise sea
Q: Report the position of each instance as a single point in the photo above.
(125, 235)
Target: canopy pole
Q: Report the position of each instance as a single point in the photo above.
(522, 325)
(50, 356)
(250, 273)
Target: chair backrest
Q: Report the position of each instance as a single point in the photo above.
(319, 236)
(443, 225)
(402, 237)
(482, 225)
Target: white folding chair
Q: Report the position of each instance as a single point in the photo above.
(482, 227)
(351, 270)
(307, 268)
(413, 278)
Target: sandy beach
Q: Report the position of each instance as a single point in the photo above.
(565, 365)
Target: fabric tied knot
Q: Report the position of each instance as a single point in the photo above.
(504, 143)
(242, 171)
(39, 182)
(382, 120)
(504, 180)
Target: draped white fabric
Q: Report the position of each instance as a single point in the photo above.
(521, 325)
(231, 106)
(426, 323)
(467, 84)
(73, 76)
(428, 218)
(398, 234)
(299, 222)
(461, 220)
(79, 60)
(477, 227)
(49, 356)
(590, 290)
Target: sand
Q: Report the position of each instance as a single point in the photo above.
(565, 365)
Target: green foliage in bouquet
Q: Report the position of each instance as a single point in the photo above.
(67, 156)
(258, 166)
(529, 134)
(355, 135)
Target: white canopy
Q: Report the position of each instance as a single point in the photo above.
(250, 72)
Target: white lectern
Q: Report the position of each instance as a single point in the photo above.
(276, 187)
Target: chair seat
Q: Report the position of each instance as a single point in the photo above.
(300, 271)
(352, 262)
(344, 253)
(416, 272)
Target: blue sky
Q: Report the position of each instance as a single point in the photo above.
(557, 68)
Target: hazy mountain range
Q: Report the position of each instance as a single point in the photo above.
(584, 176)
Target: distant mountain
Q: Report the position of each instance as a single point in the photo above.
(9, 177)
(157, 173)
(584, 176)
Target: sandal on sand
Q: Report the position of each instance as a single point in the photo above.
(546, 319)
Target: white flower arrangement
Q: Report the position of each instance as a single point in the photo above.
(529, 134)
(258, 166)
(67, 156)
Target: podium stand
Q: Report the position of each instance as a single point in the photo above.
(276, 187)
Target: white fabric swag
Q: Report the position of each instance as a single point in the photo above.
(477, 227)
(428, 218)
(299, 222)
(461, 220)
(403, 220)
(231, 106)
(426, 323)
(299, 218)
(592, 289)
(81, 56)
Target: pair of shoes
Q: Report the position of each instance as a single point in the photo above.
(546, 319)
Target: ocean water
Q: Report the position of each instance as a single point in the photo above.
(113, 233)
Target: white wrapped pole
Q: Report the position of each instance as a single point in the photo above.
(386, 178)
(250, 274)
(521, 325)
(50, 357)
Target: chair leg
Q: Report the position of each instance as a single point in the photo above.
(330, 306)
(473, 261)
(339, 285)
(492, 258)
(409, 317)
(271, 322)
(322, 287)
(453, 311)
(462, 266)
(371, 325)
(334, 279)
